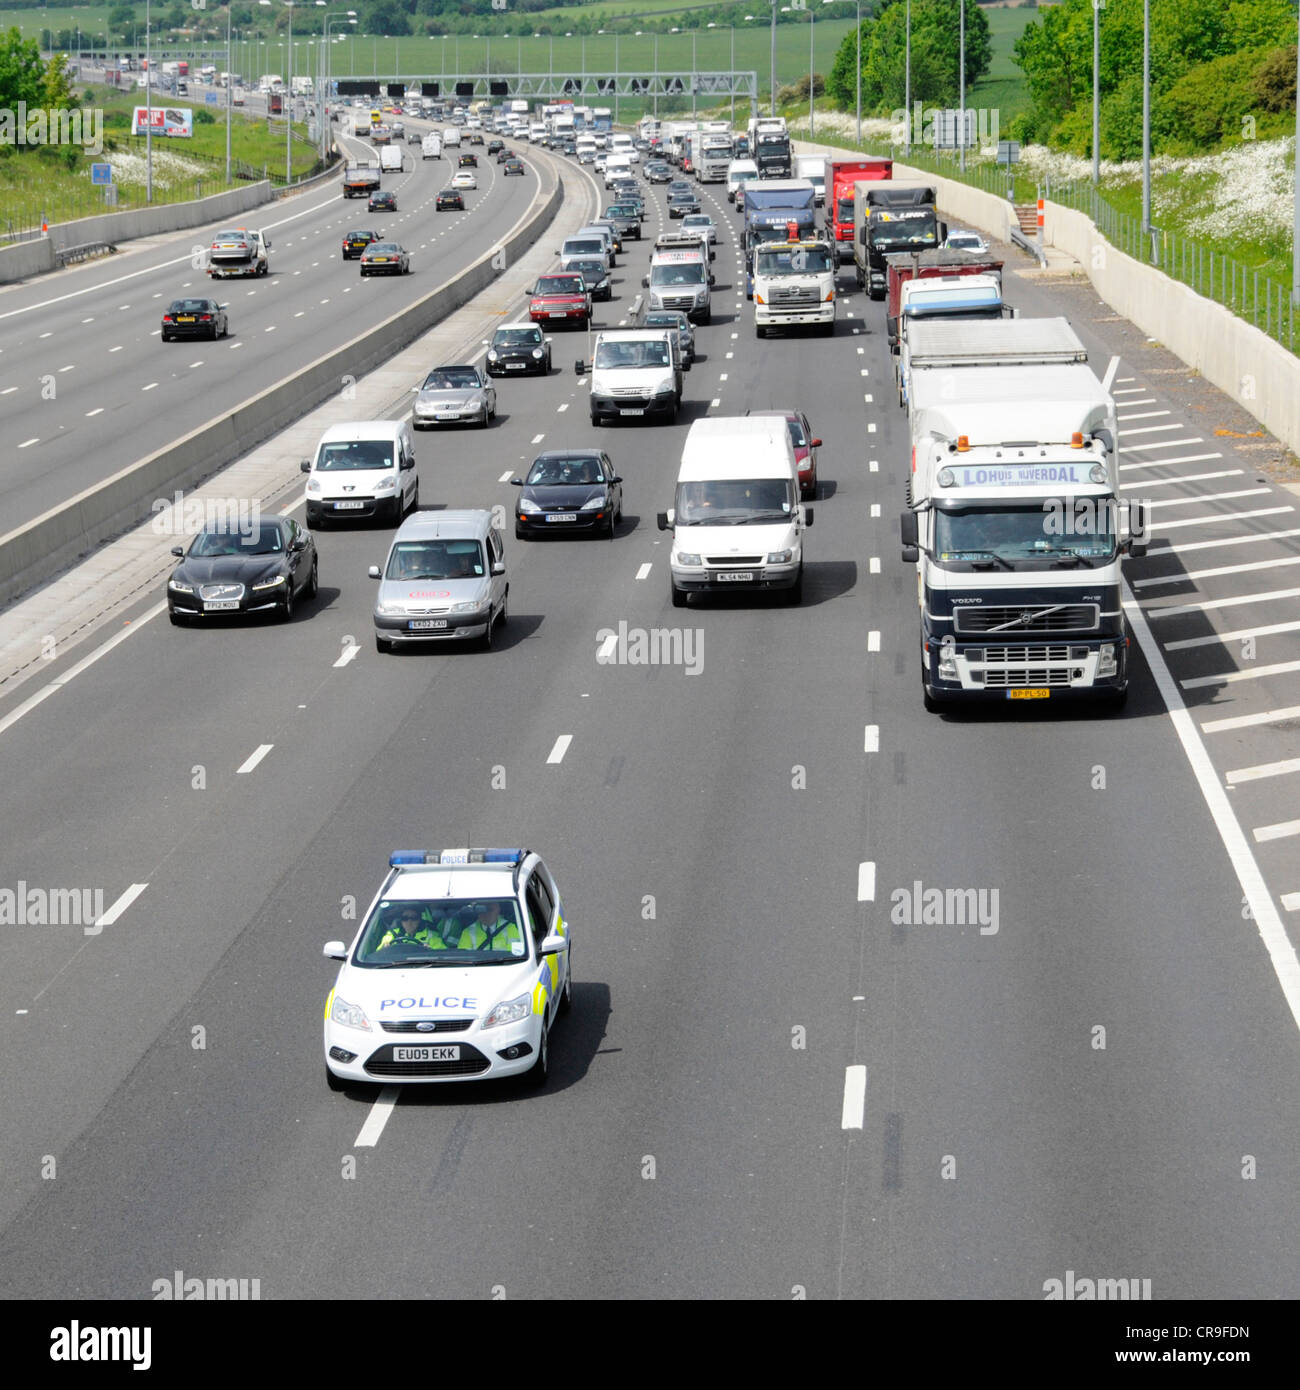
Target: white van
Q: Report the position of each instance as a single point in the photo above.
(450, 137)
(635, 372)
(739, 172)
(620, 143)
(431, 146)
(365, 469)
(617, 166)
(390, 159)
(680, 279)
(736, 519)
(444, 579)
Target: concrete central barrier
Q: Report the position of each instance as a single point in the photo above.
(61, 536)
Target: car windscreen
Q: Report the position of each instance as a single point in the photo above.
(451, 379)
(190, 306)
(584, 246)
(633, 354)
(690, 274)
(435, 559)
(550, 471)
(734, 502)
(382, 248)
(559, 284)
(593, 272)
(352, 454)
(234, 235)
(517, 337)
(258, 540)
(453, 932)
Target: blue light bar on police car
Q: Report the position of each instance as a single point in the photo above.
(456, 856)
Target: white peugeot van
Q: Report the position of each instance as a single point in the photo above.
(444, 579)
(366, 469)
(736, 519)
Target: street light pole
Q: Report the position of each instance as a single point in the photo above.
(230, 67)
(733, 77)
(907, 85)
(909, 11)
(1146, 118)
(961, 77)
(774, 57)
(148, 111)
(288, 123)
(1096, 91)
(812, 29)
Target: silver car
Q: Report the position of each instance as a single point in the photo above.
(444, 579)
(674, 318)
(455, 395)
(701, 222)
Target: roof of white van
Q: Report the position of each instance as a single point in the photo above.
(361, 429)
(720, 447)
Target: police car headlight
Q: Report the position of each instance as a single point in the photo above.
(385, 484)
(686, 558)
(273, 582)
(348, 1014)
(177, 587)
(779, 557)
(510, 1011)
(526, 504)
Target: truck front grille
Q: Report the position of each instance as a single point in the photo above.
(1071, 617)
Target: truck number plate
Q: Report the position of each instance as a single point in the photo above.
(1029, 693)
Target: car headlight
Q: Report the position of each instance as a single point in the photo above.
(779, 557)
(594, 505)
(177, 587)
(687, 559)
(510, 1011)
(385, 484)
(537, 353)
(313, 485)
(472, 606)
(526, 504)
(492, 355)
(348, 1014)
(272, 583)
(390, 610)
(664, 388)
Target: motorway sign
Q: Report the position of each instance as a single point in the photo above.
(101, 174)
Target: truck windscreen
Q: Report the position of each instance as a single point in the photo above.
(798, 261)
(905, 234)
(1000, 536)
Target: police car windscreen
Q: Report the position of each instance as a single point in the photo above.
(454, 932)
(632, 354)
(355, 453)
(435, 559)
(734, 502)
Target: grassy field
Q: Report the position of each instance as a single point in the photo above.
(34, 187)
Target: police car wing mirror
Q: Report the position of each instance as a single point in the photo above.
(553, 945)
(373, 571)
(335, 950)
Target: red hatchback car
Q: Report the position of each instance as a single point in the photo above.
(562, 297)
(805, 448)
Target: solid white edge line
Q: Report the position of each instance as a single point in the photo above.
(254, 758)
(121, 905)
(377, 1119)
(854, 1107)
(1273, 934)
(557, 753)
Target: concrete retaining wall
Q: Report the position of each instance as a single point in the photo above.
(57, 539)
(33, 257)
(1243, 362)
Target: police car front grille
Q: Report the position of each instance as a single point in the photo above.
(467, 1066)
(440, 1025)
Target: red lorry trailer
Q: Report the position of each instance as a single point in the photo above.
(841, 175)
(902, 267)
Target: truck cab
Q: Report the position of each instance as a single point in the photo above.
(794, 285)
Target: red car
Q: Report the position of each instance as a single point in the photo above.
(560, 297)
(805, 448)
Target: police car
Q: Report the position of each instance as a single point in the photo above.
(457, 973)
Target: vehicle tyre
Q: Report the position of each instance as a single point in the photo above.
(335, 1083)
(538, 1073)
(286, 608)
(760, 331)
(708, 316)
(828, 329)
(214, 335)
(503, 617)
(382, 644)
(177, 619)
(566, 995)
(483, 423)
(679, 596)
(520, 533)
(166, 337)
(313, 584)
(488, 635)
(595, 418)
(1116, 701)
(794, 595)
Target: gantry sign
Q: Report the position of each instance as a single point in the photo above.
(558, 86)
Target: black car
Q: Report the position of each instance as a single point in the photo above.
(385, 202)
(513, 166)
(658, 173)
(495, 146)
(626, 222)
(475, 137)
(680, 186)
(679, 204)
(503, 155)
(355, 242)
(595, 276)
(194, 318)
(450, 198)
(569, 490)
(518, 348)
(467, 161)
(261, 568)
